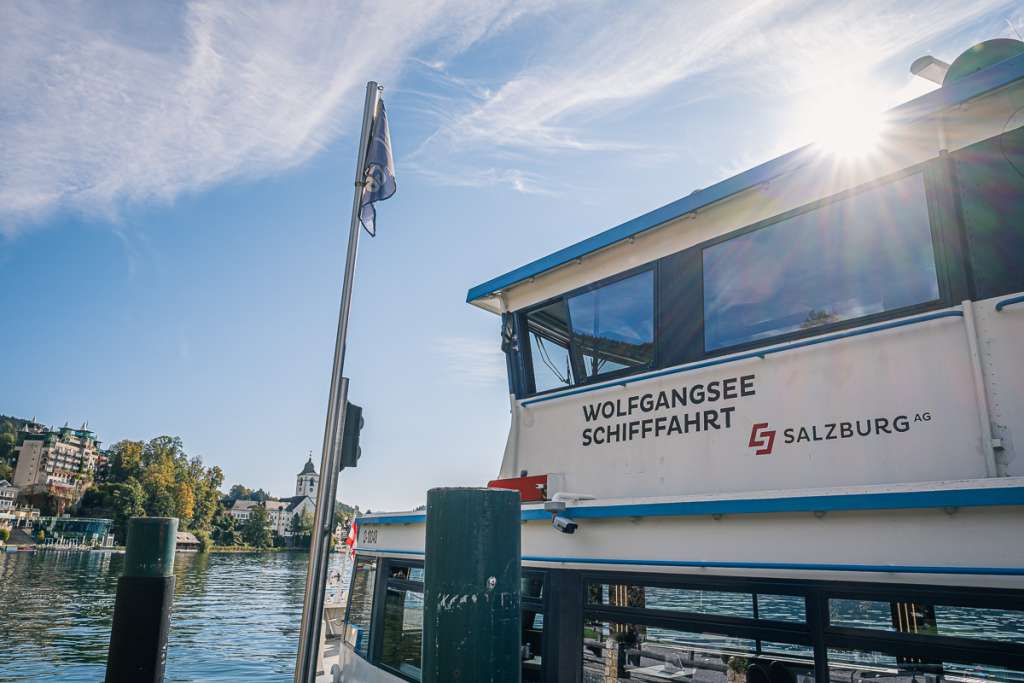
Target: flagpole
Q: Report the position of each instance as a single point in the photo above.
(306, 661)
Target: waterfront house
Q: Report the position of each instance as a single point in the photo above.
(8, 496)
(186, 542)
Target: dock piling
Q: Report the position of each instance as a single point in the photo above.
(142, 608)
(471, 620)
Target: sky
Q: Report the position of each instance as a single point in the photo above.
(176, 183)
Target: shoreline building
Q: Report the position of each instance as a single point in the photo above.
(8, 496)
(58, 464)
(282, 511)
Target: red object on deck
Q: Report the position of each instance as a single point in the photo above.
(531, 489)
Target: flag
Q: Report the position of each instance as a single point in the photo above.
(353, 535)
(379, 173)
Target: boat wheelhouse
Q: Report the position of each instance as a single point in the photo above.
(777, 422)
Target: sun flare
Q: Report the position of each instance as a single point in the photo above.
(846, 123)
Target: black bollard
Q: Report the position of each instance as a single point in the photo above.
(471, 620)
(142, 609)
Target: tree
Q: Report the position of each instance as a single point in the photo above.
(6, 471)
(224, 530)
(127, 500)
(125, 460)
(5, 534)
(204, 540)
(8, 441)
(301, 528)
(40, 535)
(184, 503)
(239, 492)
(256, 529)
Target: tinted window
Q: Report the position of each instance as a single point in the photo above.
(613, 326)
(675, 599)
(615, 651)
(866, 254)
(991, 179)
(781, 607)
(929, 619)
(850, 665)
(360, 607)
(548, 329)
(402, 638)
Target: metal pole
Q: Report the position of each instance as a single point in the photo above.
(319, 548)
(142, 608)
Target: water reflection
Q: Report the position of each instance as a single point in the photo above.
(235, 616)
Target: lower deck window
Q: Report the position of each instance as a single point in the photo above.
(929, 619)
(402, 639)
(853, 666)
(618, 651)
(532, 620)
(360, 606)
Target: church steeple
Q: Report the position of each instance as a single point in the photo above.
(306, 482)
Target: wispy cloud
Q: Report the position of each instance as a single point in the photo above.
(102, 105)
(471, 361)
(641, 49)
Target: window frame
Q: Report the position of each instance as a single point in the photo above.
(949, 253)
(526, 347)
(820, 635)
(373, 606)
(384, 580)
(548, 647)
(938, 254)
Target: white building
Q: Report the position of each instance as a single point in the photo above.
(281, 512)
(8, 494)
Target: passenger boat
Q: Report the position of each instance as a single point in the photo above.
(769, 431)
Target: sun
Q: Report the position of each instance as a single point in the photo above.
(846, 123)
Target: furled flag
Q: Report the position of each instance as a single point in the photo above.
(353, 534)
(379, 173)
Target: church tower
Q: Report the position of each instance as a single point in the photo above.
(306, 482)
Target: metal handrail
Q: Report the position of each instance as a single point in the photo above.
(1017, 299)
(761, 353)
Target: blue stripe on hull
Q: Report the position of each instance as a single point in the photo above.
(897, 500)
(789, 566)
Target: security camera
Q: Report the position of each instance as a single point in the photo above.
(564, 524)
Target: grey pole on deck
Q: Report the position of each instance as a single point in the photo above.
(319, 548)
(471, 587)
(142, 608)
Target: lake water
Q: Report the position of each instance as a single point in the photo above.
(236, 616)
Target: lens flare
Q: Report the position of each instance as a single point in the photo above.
(845, 123)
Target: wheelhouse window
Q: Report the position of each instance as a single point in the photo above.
(613, 325)
(991, 184)
(866, 254)
(599, 332)
(548, 329)
(360, 605)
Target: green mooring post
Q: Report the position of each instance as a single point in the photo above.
(471, 586)
(142, 609)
